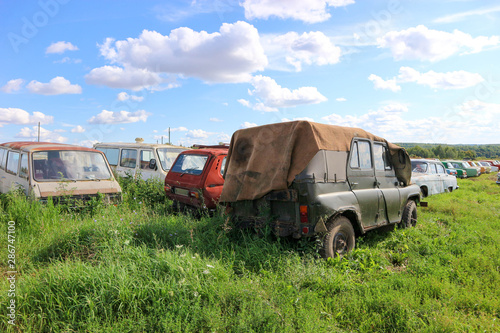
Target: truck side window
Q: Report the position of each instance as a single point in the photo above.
(354, 156)
(128, 158)
(381, 157)
(361, 156)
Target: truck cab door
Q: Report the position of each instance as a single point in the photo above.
(387, 182)
(361, 178)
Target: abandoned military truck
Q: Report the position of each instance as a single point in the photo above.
(304, 179)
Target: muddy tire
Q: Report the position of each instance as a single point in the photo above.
(409, 218)
(340, 238)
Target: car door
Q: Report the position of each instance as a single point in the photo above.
(436, 179)
(128, 162)
(361, 178)
(145, 156)
(387, 182)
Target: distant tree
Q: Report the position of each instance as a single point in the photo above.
(470, 154)
(438, 151)
(418, 151)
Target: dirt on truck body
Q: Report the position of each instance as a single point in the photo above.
(306, 178)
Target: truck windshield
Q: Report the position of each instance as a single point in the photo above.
(190, 163)
(55, 165)
(167, 156)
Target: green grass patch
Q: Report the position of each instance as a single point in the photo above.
(136, 267)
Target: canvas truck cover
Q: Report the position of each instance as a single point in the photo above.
(266, 158)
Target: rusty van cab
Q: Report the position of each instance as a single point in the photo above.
(45, 169)
(305, 179)
(195, 179)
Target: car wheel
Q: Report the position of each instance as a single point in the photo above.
(409, 218)
(340, 238)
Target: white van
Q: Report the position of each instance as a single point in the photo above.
(145, 159)
(45, 169)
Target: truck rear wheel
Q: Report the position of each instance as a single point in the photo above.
(340, 238)
(409, 218)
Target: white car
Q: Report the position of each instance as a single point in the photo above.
(431, 176)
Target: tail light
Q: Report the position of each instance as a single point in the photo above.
(168, 188)
(194, 194)
(303, 214)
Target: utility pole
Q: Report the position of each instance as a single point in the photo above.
(169, 136)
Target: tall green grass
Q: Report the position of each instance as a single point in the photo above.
(136, 267)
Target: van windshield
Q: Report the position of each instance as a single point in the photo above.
(167, 156)
(56, 165)
(190, 163)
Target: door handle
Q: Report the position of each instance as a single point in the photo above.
(354, 184)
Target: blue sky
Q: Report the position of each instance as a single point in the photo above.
(88, 71)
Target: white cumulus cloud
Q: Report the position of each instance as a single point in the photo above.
(270, 94)
(123, 96)
(123, 78)
(470, 122)
(77, 129)
(311, 11)
(448, 80)
(310, 48)
(12, 85)
(57, 86)
(119, 117)
(230, 55)
(46, 135)
(60, 47)
(21, 117)
(248, 124)
(422, 43)
(382, 84)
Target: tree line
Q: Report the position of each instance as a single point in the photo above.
(441, 151)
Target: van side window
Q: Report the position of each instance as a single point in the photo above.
(381, 157)
(361, 156)
(2, 158)
(23, 171)
(146, 156)
(12, 162)
(128, 158)
(111, 155)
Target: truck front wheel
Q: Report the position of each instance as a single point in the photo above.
(340, 238)
(409, 218)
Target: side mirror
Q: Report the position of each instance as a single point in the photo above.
(152, 164)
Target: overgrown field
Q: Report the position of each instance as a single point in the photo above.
(136, 267)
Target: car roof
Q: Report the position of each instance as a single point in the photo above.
(135, 145)
(30, 146)
(207, 151)
(422, 160)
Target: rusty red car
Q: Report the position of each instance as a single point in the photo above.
(195, 179)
